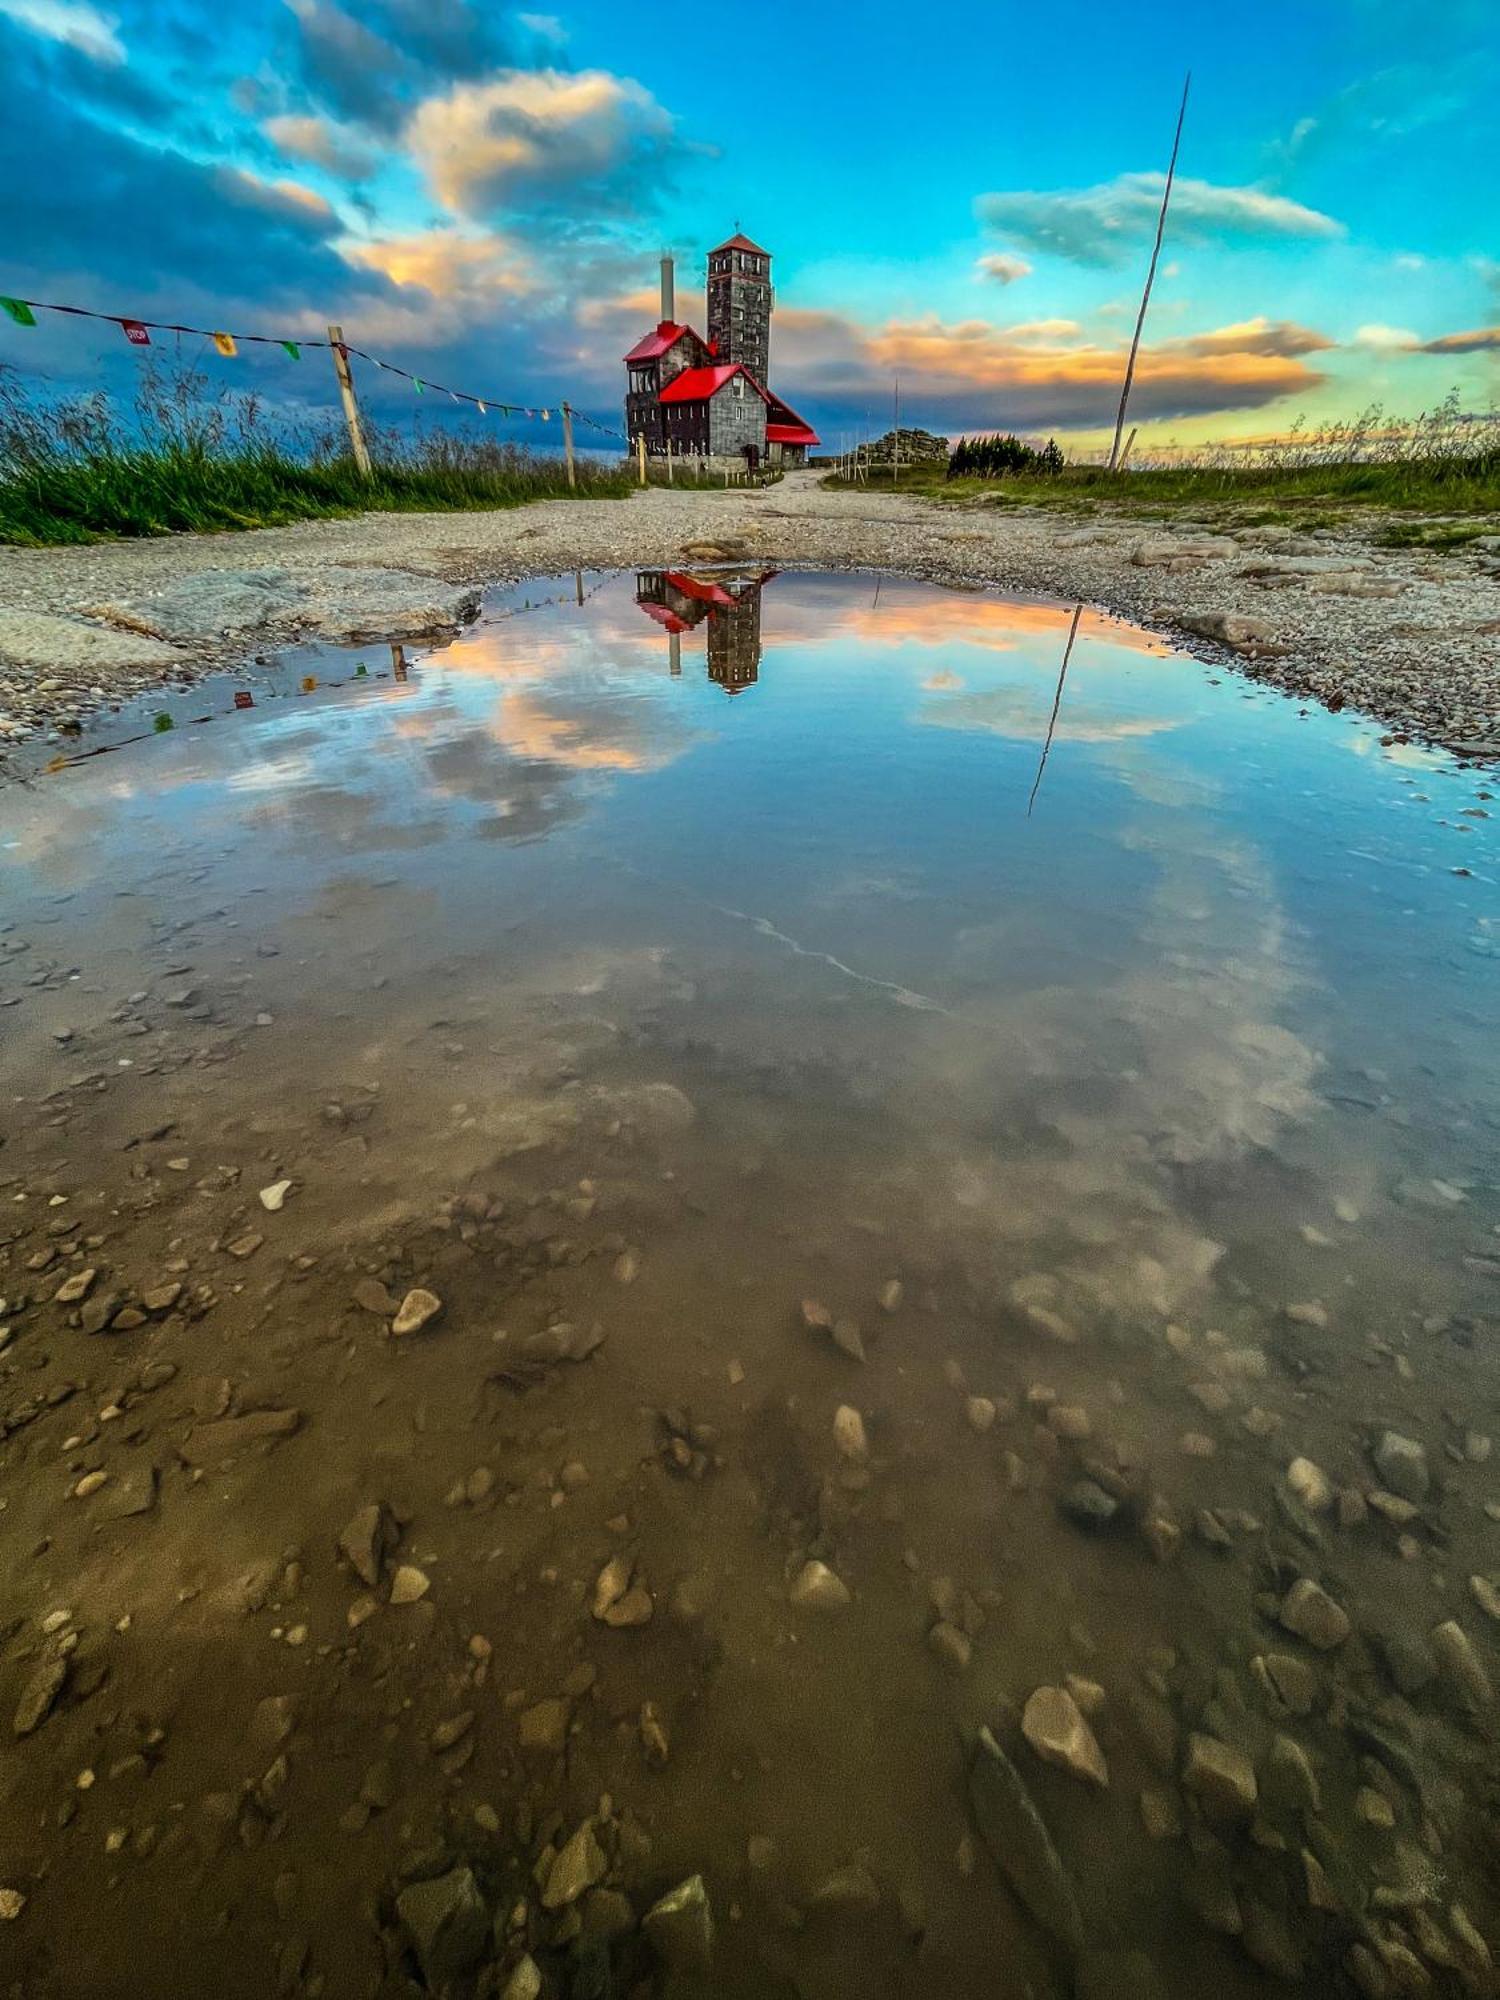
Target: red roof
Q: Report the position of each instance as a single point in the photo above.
(655, 344)
(664, 617)
(696, 385)
(738, 242)
(784, 426)
(703, 589)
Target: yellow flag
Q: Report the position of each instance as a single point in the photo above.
(225, 343)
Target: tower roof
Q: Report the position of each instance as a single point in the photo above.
(739, 242)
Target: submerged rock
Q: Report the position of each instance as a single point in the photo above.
(1054, 1726)
(447, 1923)
(1311, 1613)
(1019, 1843)
(1402, 1465)
(817, 1588)
(681, 1927)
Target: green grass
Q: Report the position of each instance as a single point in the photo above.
(75, 471)
(1445, 462)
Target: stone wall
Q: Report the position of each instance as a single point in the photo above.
(735, 420)
(917, 447)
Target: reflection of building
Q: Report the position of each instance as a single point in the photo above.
(711, 398)
(727, 601)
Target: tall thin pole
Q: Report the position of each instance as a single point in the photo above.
(567, 417)
(896, 432)
(345, 374)
(1161, 223)
(1036, 783)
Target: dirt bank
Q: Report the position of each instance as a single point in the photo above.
(1409, 636)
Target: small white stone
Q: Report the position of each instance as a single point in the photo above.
(416, 1309)
(409, 1584)
(272, 1198)
(849, 1435)
(1054, 1726)
(817, 1588)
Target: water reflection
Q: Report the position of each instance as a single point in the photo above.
(726, 602)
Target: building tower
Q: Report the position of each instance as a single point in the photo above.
(739, 304)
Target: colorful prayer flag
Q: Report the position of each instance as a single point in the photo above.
(224, 342)
(19, 311)
(418, 386)
(135, 333)
(483, 409)
(546, 416)
(293, 349)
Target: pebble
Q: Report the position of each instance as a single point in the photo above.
(1402, 1465)
(1310, 1484)
(448, 1924)
(953, 1647)
(416, 1310)
(12, 1902)
(681, 1927)
(1460, 1665)
(817, 1588)
(1221, 1776)
(525, 1981)
(409, 1584)
(73, 1289)
(1311, 1613)
(273, 1198)
(849, 1435)
(1486, 1596)
(980, 1412)
(579, 1865)
(1054, 1726)
(1087, 1504)
(544, 1726)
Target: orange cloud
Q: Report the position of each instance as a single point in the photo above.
(452, 264)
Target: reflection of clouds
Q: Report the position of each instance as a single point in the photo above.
(274, 774)
(1410, 755)
(1022, 713)
(929, 615)
(942, 681)
(581, 735)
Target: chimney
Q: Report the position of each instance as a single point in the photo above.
(668, 290)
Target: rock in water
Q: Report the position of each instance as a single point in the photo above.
(1311, 1613)
(1054, 1727)
(849, 1435)
(365, 1540)
(577, 1868)
(681, 1927)
(1019, 1843)
(447, 1923)
(39, 1693)
(817, 1586)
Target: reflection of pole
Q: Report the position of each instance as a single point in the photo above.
(578, 584)
(674, 654)
(567, 417)
(1161, 223)
(1036, 783)
(398, 660)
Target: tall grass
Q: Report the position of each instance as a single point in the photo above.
(185, 455)
(1446, 460)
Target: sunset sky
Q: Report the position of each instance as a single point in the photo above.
(964, 196)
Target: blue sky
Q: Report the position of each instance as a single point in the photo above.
(965, 199)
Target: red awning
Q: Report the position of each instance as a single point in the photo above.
(696, 385)
(790, 434)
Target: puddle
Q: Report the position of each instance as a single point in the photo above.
(1107, 1054)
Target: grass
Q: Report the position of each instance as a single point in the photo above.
(1445, 461)
(187, 459)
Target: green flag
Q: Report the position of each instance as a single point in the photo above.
(293, 349)
(418, 386)
(19, 311)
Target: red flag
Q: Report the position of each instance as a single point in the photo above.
(135, 333)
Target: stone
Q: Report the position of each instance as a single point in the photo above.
(1485, 1595)
(1402, 1465)
(1054, 1726)
(1290, 1682)
(525, 1981)
(1408, 1660)
(273, 1198)
(447, 1923)
(1221, 1776)
(133, 1493)
(1290, 1781)
(544, 1726)
(1374, 1809)
(453, 1730)
(1267, 1941)
(1070, 1421)
(418, 1309)
(850, 1891)
(576, 1868)
(90, 1484)
(364, 1541)
(12, 1902)
(372, 1297)
(409, 1584)
(952, 1647)
(1160, 1815)
(38, 640)
(74, 1289)
(42, 1688)
(246, 1245)
(1310, 1484)
(211, 1444)
(1088, 1506)
(1311, 1613)
(681, 1927)
(1460, 1667)
(817, 1588)
(980, 1412)
(1019, 1844)
(849, 1435)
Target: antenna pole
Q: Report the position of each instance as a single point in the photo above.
(1161, 224)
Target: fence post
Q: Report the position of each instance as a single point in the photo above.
(640, 455)
(670, 480)
(567, 417)
(346, 394)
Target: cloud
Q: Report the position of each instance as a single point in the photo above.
(1251, 336)
(322, 143)
(1003, 266)
(1385, 339)
(1102, 225)
(546, 27)
(541, 137)
(348, 64)
(451, 264)
(288, 200)
(1476, 341)
(72, 22)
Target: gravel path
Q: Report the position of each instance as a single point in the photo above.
(1406, 635)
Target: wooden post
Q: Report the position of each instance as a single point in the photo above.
(1129, 446)
(640, 455)
(351, 408)
(567, 417)
(670, 480)
(896, 434)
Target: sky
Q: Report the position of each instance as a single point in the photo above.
(965, 201)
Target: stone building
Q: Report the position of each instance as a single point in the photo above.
(728, 605)
(709, 399)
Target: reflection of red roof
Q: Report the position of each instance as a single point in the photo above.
(656, 343)
(696, 385)
(706, 592)
(738, 242)
(664, 616)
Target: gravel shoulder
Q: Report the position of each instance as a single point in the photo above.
(1404, 635)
